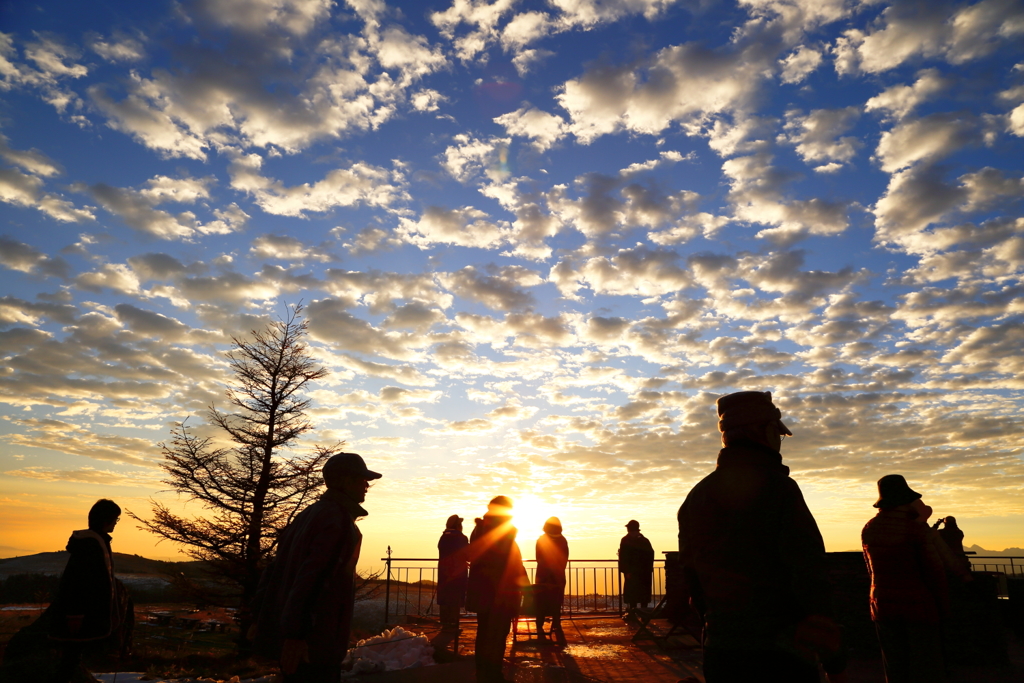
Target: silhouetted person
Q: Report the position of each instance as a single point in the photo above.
(549, 583)
(303, 608)
(909, 594)
(452, 573)
(636, 562)
(91, 604)
(753, 557)
(496, 578)
(953, 537)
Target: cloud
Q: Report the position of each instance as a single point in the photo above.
(524, 329)
(381, 291)
(27, 259)
(480, 14)
(287, 248)
(927, 139)
(271, 92)
(25, 190)
(908, 30)
(1015, 121)
(681, 84)
(816, 136)
(756, 197)
(297, 17)
(631, 272)
(799, 64)
(118, 48)
(411, 55)
(900, 100)
(137, 211)
(625, 200)
(543, 128)
(90, 475)
(406, 374)
(361, 183)
(463, 227)
(525, 28)
(330, 323)
(32, 161)
(472, 157)
(917, 198)
(500, 289)
(15, 311)
(64, 437)
(114, 276)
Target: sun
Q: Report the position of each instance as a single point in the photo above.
(528, 515)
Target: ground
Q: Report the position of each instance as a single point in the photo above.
(596, 650)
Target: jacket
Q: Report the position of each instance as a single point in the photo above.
(908, 579)
(751, 552)
(308, 591)
(552, 557)
(636, 555)
(87, 589)
(452, 567)
(496, 572)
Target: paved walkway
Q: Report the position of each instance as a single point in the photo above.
(603, 651)
(595, 650)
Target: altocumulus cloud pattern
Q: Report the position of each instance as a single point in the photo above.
(535, 240)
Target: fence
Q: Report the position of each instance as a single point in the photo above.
(591, 586)
(1008, 565)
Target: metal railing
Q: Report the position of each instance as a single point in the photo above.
(591, 586)
(1010, 565)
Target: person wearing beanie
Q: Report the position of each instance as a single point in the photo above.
(303, 607)
(496, 579)
(754, 560)
(452, 573)
(552, 557)
(636, 564)
(909, 590)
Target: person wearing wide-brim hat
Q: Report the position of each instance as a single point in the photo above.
(452, 573)
(909, 594)
(754, 559)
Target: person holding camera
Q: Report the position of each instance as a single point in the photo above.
(909, 590)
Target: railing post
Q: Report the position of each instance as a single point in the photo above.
(568, 568)
(619, 573)
(387, 589)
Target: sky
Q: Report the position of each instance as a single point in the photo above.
(534, 241)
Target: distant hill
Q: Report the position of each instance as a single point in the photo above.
(978, 550)
(53, 563)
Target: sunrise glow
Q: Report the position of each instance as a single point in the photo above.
(535, 241)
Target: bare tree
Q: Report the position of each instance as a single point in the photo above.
(252, 490)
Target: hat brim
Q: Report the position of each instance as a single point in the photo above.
(368, 474)
(783, 429)
(904, 498)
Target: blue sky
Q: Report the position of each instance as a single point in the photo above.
(535, 241)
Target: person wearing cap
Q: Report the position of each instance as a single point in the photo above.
(636, 563)
(452, 574)
(552, 553)
(303, 607)
(496, 579)
(753, 557)
(909, 591)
